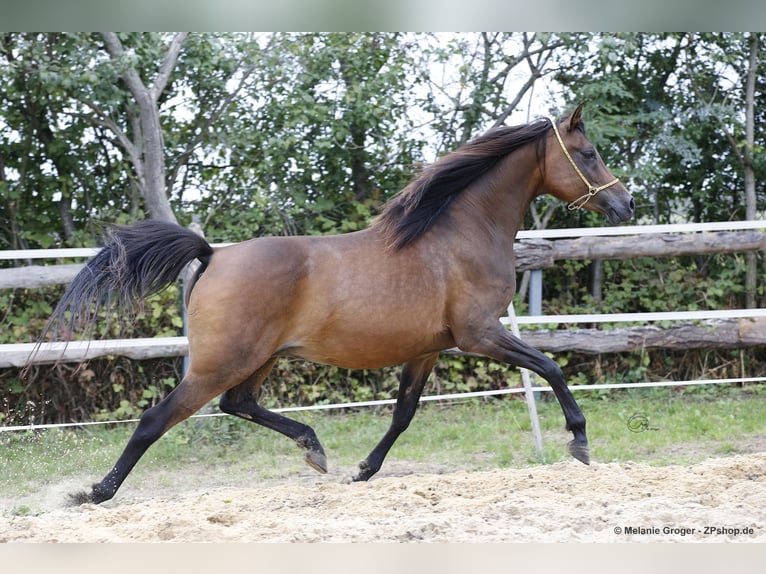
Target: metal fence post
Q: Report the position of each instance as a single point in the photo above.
(528, 392)
(536, 292)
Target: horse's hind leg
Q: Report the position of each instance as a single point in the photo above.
(186, 399)
(413, 379)
(241, 401)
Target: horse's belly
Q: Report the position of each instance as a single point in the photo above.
(371, 347)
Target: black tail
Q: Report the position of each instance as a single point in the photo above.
(138, 260)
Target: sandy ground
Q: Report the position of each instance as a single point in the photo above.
(718, 500)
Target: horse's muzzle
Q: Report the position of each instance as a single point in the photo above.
(620, 211)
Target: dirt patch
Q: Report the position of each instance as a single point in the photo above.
(717, 500)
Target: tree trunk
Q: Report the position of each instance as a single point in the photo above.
(747, 164)
(147, 154)
(154, 192)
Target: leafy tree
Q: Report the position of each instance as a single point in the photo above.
(475, 81)
(119, 120)
(668, 105)
(49, 178)
(672, 107)
(145, 148)
(321, 140)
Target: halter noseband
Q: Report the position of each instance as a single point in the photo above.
(592, 189)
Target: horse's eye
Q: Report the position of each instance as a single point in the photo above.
(589, 153)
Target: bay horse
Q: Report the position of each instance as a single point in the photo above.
(435, 270)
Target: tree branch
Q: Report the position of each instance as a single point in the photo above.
(515, 102)
(168, 64)
(131, 77)
(101, 119)
(210, 119)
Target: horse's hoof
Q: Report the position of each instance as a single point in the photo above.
(97, 495)
(79, 498)
(365, 472)
(579, 451)
(317, 461)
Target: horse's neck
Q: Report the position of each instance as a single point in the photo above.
(491, 210)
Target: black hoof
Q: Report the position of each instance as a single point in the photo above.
(314, 453)
(580, 451)
(316, 460)
(95, 496)
(365, 472)
(79, 498)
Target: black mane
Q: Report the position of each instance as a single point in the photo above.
(416, 208)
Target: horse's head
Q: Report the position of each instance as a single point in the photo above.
(575, 172)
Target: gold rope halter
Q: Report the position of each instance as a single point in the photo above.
(592, 189)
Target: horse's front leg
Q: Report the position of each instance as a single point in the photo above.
(413, 379)
(497, 343)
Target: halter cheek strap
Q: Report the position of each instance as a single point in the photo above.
(592, 189)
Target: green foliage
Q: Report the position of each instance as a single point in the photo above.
(670, 108)
(319, 154)
(24, 313)
(651, 285)
(101, 389)
(648, 285)
(456, 374)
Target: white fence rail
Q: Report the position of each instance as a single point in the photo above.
(16, 354)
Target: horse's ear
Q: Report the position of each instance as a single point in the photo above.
(576, 118)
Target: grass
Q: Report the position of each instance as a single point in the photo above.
(678, 427)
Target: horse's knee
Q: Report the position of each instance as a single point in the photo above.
(233, 404)
(176, 407)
